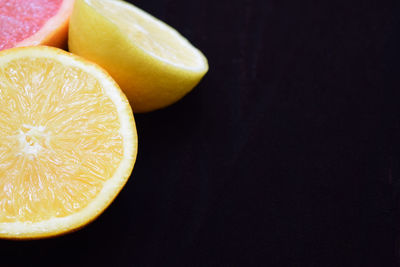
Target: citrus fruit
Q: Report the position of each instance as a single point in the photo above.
(68, 141)
(153, 64)
(34, 22)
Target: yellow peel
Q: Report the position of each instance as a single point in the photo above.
(153, 64)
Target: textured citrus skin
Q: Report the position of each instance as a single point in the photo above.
(148, 82)
(62, 225)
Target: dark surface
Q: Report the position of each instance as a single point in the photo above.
(286, 154)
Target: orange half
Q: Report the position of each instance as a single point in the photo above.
(68, 142)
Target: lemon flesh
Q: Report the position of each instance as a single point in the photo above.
(153, 64)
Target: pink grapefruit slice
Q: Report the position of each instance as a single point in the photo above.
(34, 22)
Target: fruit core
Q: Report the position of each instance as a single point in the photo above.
(32, 139)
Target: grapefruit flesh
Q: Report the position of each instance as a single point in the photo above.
(34, 22)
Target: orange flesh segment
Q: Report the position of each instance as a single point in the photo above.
(59, 139)
(20, 19)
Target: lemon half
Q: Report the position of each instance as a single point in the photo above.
(153, 64)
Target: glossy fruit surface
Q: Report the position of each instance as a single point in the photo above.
(153, 64)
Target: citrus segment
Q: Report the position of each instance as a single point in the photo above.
(68, 141)
(154, 65)
(34, 22)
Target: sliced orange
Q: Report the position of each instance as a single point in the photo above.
(34, 22)
(68, 141)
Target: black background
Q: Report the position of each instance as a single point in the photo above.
(286, 154)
